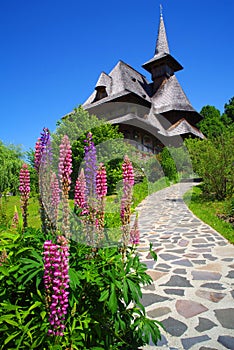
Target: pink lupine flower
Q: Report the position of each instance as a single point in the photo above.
(128, 174)
(56, 282)
(125, 208)
(55, 199)
(135, 233)
(15, 219)
(101, 191)
(101, 184)
(90, 158)
(65, 164)
(24, 189)
(80, 193)
(65, 170)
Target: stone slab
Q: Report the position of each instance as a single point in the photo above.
(188, 308)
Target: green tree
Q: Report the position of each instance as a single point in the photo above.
(212, 124)
(213, 160)
(106, 137)
(228, 115)
(10, 164)
(168, 165)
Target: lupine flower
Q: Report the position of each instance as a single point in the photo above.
(90, 170)
(101, 184)
(125, 209)
(135, 232)
(3, 257)
(101, 190)
(65, 164)
(90, 166)
(15, 219)
(55, 199)
(80, 193)
(65, 170)
(24, 189)
(56, 282)
(42, 164)
(128, 174)
(42, 147)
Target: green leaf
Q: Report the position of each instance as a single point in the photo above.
(104, 295)
(152, 253)
(125, 291)
(134, 289)
(112, 303)
(23, 250)
(3, 271)
(30, 277)
(36, 304)
(74, 279)
(13, 323)
(10, 337)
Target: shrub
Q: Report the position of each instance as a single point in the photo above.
(168, 165)
(213, 160)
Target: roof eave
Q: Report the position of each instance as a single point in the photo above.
(160, 60)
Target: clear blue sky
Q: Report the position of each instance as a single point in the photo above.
(52, 52)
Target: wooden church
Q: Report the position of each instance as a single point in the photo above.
(153, 114)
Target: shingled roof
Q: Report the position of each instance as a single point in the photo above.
(161, 43)
(183, 127)
(169, 111)
(122, 80)
(170, 96)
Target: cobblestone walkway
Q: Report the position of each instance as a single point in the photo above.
(193, 289)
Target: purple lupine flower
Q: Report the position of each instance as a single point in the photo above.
(65, 170)
(125, 209)
(24, 189)
(135, 232)
(90, 166)
(43, 149)
(55, 199)
(80, 193)
(56, 282)
(42, 164)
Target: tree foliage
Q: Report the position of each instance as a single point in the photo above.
(10, 164)
(211, 125)
(228, 116)
(106, 137)
(213, 160)
(214, 124)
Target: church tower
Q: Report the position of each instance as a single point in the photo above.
(149, 114)
(168, 97)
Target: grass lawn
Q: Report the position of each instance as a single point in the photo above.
(112, 217)
(7, 207)
(207, 211)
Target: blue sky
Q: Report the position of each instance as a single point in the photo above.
(52, 52)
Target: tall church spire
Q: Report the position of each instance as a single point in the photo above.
(161, 43)
(162, 65)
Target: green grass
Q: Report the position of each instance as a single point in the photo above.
(7, 207)
(207, 211)
(112, 217)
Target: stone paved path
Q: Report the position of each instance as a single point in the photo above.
(193, 289)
